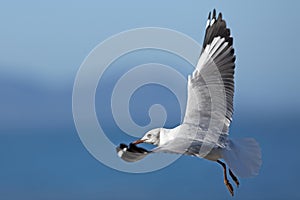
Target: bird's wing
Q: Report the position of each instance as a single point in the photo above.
(211, 86)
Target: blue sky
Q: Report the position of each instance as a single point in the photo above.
(42, 45)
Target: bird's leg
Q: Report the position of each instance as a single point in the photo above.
(228, 185)
(234, 178)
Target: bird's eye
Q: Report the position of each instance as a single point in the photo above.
(149, 135)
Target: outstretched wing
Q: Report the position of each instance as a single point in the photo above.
(211, 86)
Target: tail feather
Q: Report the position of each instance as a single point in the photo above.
(243, 157)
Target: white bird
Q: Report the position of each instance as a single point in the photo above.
(204, 131)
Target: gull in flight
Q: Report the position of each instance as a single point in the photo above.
(205, 128)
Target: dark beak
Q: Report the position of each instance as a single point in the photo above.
(138, 141)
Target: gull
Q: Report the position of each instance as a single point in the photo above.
(204, 132)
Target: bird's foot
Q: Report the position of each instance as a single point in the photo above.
(234, 178)
(229, 187)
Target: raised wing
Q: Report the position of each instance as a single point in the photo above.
(211, 86)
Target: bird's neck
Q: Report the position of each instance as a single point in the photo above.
(166, 135)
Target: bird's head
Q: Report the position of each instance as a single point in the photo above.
(151, 137)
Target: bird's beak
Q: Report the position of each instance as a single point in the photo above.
(139, 141)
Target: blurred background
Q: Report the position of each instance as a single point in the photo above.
(42, 45)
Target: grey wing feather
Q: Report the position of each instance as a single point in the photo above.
(211, 86)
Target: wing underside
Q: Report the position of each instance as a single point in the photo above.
(211, 86)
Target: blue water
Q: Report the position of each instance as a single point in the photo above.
(53, 164)
(42, 156)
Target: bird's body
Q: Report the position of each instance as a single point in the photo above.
(205, 128)
(174, 141)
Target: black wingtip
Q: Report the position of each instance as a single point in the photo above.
(209, 14)
(220, 16)
(214, 14)
(216, 27)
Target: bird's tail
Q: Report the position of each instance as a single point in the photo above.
(243, 157)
